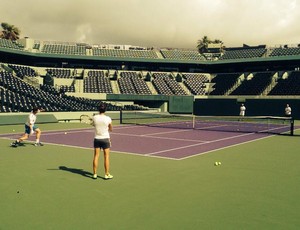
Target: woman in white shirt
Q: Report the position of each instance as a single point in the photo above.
(103, 125)
(30, 128)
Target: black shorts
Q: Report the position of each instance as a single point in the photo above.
(102, 143)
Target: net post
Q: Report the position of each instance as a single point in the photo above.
(292, 126)
(268, 120)
(194, 120)
(121, 116)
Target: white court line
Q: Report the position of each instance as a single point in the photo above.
(154, 137)
(151, 154)
(66, 131)
(217, 141)
(158, 133)
(208, 142)
(225, 147)
(90, 148)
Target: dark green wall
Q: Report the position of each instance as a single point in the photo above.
(8, 119)
(176, 104)
(255, 107)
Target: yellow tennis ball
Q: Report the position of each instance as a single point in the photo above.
(216, 163)
(219, 163)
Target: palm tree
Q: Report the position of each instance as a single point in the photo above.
(203, 43)
(9, 32)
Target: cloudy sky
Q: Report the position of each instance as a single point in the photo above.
(156, 23)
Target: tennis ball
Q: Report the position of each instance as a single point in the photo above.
(219, 163)
(65, 132)
(216, 163)
(13, 130)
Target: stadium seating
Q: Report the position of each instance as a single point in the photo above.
(131, 83)
(60, 73)
(223, 83)
(285, 51)
(4, 43)
(165, 84)
(195, 83)
(160, 76)
(21, 96)
(288, 86)
(182, 55)
(65, 49)
(243, 53)
(125, 53)
(254, 86)
(67, 89)
(22, 71)
(83, 49)
(96, 82)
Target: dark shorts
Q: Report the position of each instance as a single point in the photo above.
(27, 128)
(102, 143)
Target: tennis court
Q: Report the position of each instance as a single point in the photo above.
(174, 138)
(50, 187)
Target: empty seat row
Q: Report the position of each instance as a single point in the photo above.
(131, 83)
(96, 82)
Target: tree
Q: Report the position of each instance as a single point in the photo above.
(9, 32)
(204, 42)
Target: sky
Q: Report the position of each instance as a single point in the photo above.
(156, 23)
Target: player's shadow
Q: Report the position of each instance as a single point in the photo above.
(22, 144)
(78, 171)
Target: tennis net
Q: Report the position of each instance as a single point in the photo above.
(249, 124)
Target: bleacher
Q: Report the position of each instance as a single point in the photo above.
(21, 96)
(287, 86)
(287, 51)
(117, 51)
(182, 55)
(131, 83)
(255, 85)
(23, 71)
(151, 54)
(96, 82)
(243, 53)
(195, 82)
(74, 49)
(165, 84)
(66, 89)
(8, 44)
(60, 73)
(144, 72)
(224, 82)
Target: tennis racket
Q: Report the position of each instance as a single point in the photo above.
(86, 119)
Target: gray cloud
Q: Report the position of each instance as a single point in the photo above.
(158, 23)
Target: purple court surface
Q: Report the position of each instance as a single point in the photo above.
(170, 143)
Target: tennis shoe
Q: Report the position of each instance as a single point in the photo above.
(38, 144)
(15, 144)
(95, 176)
(108, 176)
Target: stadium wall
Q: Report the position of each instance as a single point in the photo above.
(171, 104)
(50, 117)
(254, 106)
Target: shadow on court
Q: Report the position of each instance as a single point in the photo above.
(77, 171)
(23, 144)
